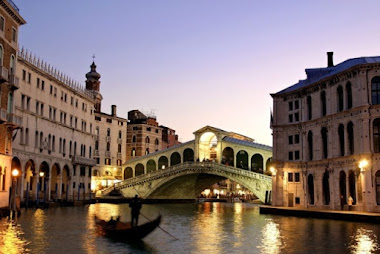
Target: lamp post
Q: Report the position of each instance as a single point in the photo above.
(42, 174)
(13, 205)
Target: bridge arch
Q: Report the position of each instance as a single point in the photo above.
(175, 158)
(242, 159)
(257, 163)
(128, 173)
(150, 166)
(228, 156)
(188, 155)
(139, 169)
(207, 146)
(163, 162)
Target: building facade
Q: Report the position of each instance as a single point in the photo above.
(169, 138)
(326, 138)
(55, 146)
(10, 21)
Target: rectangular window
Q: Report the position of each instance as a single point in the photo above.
(290, 118)
(296, 104)
(22, 101)
(297, 177)
(42, 85)
(98, 118)
(109, 120)
(297, 139)
(290, 105)
(14, 34)
(290, 156)
(51, 89)
(2, 23)
(38, 82)
(297, 155)
(72, 100)
(23, 74)
(29, 77)
(55, 92)
(290, 177)
(37, 107)
(296, 117)
(298, 200)
(290, 140)
(28, 103)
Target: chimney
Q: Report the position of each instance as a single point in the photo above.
(330, 62)
(113, 110)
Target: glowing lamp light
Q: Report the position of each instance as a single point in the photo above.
(363, 164)
(42, 174)
(15, 172)
(163, 166)
(273, 170)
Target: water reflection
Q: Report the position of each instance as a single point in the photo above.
(10, 238)
(364, 241)
(271, 238)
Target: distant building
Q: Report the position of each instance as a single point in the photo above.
(169, 138)
(10, 21)
(326, 138)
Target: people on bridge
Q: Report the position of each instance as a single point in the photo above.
(135, 206)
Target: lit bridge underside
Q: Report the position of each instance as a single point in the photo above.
(187, 180)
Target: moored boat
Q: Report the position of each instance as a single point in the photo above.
(123, 231)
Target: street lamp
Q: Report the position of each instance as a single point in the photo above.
(15, 173)
(362, 164)
(273, 171)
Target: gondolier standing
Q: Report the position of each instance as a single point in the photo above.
(135, 206)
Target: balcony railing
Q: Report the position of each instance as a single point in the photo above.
(108, 154)
(13, 82)
(83, 161)
(14, 120)
(3, 74)
(108, 139)
(3, 115)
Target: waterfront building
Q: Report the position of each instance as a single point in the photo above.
(55, 145)
(10, 21)
(326, 138)
(145, 136)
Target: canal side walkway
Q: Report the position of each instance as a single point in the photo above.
(322, 214)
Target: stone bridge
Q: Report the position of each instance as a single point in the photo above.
(189, 179)
(185, 170)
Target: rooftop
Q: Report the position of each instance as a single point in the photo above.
(318, 74)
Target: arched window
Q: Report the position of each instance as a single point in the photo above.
(326, 188)
(378, 187)
(41, 140)
(350, 134)
(342, 187)
(53, 147)
(339, 92)
(90, 153)
(119, 148)
(12, 65)
(134, 139)
(323, 103)
(309, 108)
(324, 142)
(310, 187)
(119, 134)
(341, 139)
(349, 95)
(64, 146)
(147, 140)
(352, 185)
(108, 146)
(376, 135)
(96, 145)
(310, 144)
(375, 90)
(108, 132)
(10, 103)
(157, 142)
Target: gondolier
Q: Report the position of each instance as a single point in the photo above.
(135, 206)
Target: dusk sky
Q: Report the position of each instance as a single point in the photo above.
(198, 63)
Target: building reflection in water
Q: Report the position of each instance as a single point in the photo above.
(238, 223)
(364, 241)
(271, 241)
(10, 239)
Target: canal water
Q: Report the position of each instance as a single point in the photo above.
(201, 228)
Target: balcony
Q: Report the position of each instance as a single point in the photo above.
(13, 82)
(3, 74)
(119, 156)
(119, 141)
(96, 153)
(83, 161)
(108, 139)
(3, 115)
(14, 120)
(108, 154)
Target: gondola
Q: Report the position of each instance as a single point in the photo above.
(123, 231)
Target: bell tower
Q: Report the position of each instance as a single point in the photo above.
(93, 84)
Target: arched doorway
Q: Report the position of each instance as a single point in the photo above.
(163, 162)
(175, 159)
(352, 185)
(228, 156)
(30, 183)
(54, 181)
(377, 187)
(257, 162)
(139, 169)
(128, 173)
(15, 181)
(242, 160)
(150, 166)
(342, 187)
(207, 146)
(44, 180)
(310, 188)
(188, 155)
(65, 182)
(326, 188)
